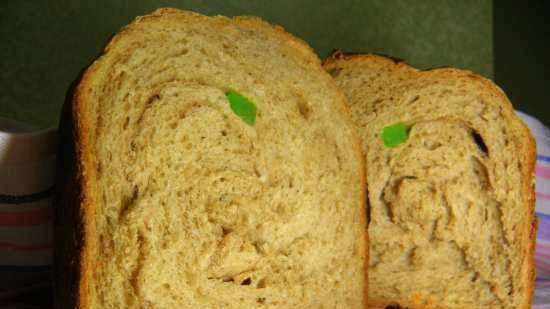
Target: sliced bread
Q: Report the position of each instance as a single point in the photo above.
(209, 162)
(450, 185)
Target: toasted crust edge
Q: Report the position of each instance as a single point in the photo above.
(527, 168)
(68, 231)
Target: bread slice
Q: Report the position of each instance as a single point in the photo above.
(450, 189)
(183, 200)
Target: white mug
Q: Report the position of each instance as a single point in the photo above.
(27, 167)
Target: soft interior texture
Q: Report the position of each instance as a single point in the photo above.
(451, 211)
(191, 207)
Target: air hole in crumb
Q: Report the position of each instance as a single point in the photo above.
(225, 230)
(257, 172)
(431, 145)
(303, 108)
(258, 248)
(125, 125)
(261, 284)
(128, 202)
(368, 212)
(480, 143)
(338, 160)
(152, 99)
(414, 99)
(228, 279)
(334, 72)
(246, 281)
(260, 300)
(224, 133)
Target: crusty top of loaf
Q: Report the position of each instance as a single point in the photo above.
(452, 222)
(184, 204)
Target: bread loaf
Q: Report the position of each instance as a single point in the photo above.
(209, 162)
(450, 186)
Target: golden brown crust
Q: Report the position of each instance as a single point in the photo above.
(84, 155)
(363, 203)
(528, 169)
(67, 225)
(363, 198)
(82, 128)
(339, 58)
(253, 22)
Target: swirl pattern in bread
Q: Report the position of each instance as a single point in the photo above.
(187, 204)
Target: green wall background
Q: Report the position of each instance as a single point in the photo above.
(45, 44)
(521, 43)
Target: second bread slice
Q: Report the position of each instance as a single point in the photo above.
(450, 186)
